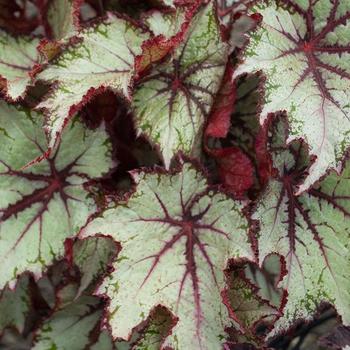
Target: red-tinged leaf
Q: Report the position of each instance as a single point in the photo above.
(92, 256)
(234, 21)
(243, 301)
(220, 115)
(17, 304)
(235, 169)
(173, 253)
(263, 157)
(245, 139)
(103, 108)
(154, 50)
(169, 29)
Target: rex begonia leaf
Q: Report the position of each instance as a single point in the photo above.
(311, 231)
(102, 56)
(42, 205)
(302, 47)
(70, 327)
(63, 18)
(172, 102)
(176, 237)
(18, 59)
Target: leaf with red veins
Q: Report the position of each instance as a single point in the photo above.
(176, 238)
(101, 56)
(40, 207)
(311, 231)
(303, 49)
(172, 103)
(18, 60)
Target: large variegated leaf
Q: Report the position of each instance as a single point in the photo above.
(102, 56)
(18, 57)
(176, 238)
(311, 231)
(173, 101)
(43, 205)
(303, 49)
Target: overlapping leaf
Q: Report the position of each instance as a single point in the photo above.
(92, 257)
(70, 327)
(176, 238)
(303, 50)
(18, 58)
(15, 305)
(311, 231)
(43, 205)
(63, 18)
(102, 56)
(173, 101)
